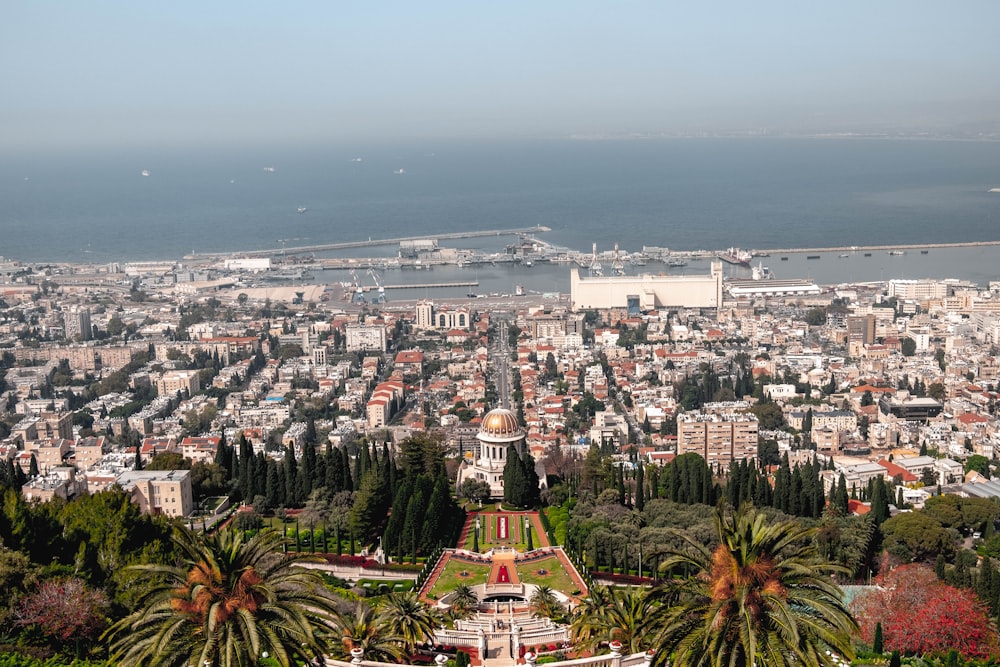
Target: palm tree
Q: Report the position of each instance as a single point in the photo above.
(588, 618)
(362, 628)
(463, 601)
(409, 619)
(544, 603)
(227, 604)
(764, 597)
(613, 614)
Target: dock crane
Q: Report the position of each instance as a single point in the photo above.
(596, 269)
(617, 266)
(378, 284)
(359, 292)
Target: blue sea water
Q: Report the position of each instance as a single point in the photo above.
(682, 193)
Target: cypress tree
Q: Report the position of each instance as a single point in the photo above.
(880, 502)
(640, 487)
(435, 518)
(532, 493)
(513, 478)
(359, 465)
(620, 483)
(394, 529)
(939, 565)
(334, 475)
(877, 641)
(840, 499)
(288, 470)
(346, 483)
(272, 485)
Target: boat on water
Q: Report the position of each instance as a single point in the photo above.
(868, 254)
(845, 254)
(994, 190)
(784, 259)
(736, 256)
(924, 252)
(676, 261)
(812, 256)
(301, 209)
(144, 172)
(268, 170)
(896, 253)
(761, 272)
(399, 172)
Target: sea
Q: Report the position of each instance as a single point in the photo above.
(102, 206)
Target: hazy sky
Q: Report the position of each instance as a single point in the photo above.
(145, 72)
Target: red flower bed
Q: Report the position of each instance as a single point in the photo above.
(348, 561)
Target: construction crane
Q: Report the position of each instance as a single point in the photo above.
(378, 284)
(617, 266)
(359, 292)
(595, 264)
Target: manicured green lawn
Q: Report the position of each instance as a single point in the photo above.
(555, 575)
(452, 577)
(489, 529)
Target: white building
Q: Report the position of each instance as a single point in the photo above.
(647, 292)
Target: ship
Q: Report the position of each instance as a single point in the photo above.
(145, 172)
(896, 253)
(736, 256)
(302, 209)
(399, 172)
(268, 170)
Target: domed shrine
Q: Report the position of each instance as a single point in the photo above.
(499, 430)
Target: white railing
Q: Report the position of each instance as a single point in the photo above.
(613, 659)
(500, 589)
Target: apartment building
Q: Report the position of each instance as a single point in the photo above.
(165, 492)
(719, 437)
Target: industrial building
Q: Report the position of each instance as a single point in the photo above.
(647, 292)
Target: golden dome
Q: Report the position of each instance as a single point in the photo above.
(500, 425)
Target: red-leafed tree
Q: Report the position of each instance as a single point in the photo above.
(64, 610)
(921, 614)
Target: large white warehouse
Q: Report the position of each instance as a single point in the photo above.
(647, 292)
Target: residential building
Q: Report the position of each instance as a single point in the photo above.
(159, 491)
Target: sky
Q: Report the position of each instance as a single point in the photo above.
(146, 73)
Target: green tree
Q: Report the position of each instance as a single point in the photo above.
(544, 603)
(360, 627)
(614, 614)
(915, 536)
(409, 619)
(463, 601)
(227, 602)
(762, 596)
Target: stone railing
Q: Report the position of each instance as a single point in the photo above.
(613, 659)
(505, 589)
